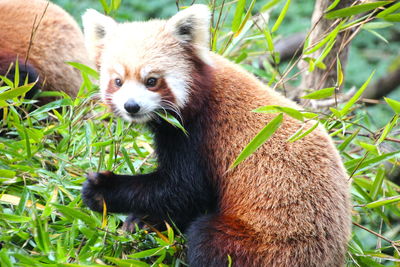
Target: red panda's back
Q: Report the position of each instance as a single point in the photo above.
(49, 37)
(284, 191)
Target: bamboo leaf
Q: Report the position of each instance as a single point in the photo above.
(333, 5)
(259, 139)
(378, 35)
(245, 19)
(300, 136)
(356, 96)
(76, 214)
(367, 164)
(395, 105)
(49, 208)
(15, 200)
(324, 53)
(354, 10)
(102, 144)
(392, 17)
(128, 160)
(15, 92)
(86, 69)
(269, 5)
(7, 173)
(116, 4)
(275, 109)
(147, 253)
(41, 235)
(388, 128)
(382, 202)
(106, 7)
(268, 38)
(322, 93)
(376, 25)
(14, 218)
(237, 18)
(309, 115)
(281, 16)
(378, 181)
(27, 143)
(172, 120)
(347, 141)
(127, 263)
(170, 233)
(52, 105)
(339, 70)
(7, 81)
(369, 147)
(5, 258)
(329, 38)
(388, 11)
(104, 219)
(335, 112)
(16, 73)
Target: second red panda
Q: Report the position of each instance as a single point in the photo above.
(286, 205)
(44, 38)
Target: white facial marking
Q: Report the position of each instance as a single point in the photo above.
(147, 100)
(104, 80)
(179, 88)
(145, 71)
(119, 69)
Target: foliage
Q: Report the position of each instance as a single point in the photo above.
(46, 152)
(128, 10)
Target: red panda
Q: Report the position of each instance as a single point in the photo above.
(43, 37)
(286, 205)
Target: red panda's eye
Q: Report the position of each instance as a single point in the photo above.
(118, 82)
(151, 82)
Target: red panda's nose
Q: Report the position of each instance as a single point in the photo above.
(131, 106)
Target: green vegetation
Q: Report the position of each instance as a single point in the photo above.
(45, 153)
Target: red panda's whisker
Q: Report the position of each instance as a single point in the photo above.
(173, 107)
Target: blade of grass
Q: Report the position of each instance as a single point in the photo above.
(356, 96)
(281, 16)
(354, 10)
(237, 18)
(259, 139)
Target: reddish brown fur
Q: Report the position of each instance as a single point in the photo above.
(57, 40)
(6, 59)
(130, 74)
(112, 88)
(202, 81)
(286, 205)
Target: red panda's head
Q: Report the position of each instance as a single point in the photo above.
(147, 66)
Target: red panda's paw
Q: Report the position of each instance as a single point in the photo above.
(94, 188)
(99, 178)
(93, 196)
(130, 223)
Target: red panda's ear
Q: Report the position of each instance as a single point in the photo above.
(95, 27)
(192, 25)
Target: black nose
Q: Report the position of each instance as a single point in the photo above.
(131, 106)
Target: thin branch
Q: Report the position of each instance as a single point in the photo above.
(33, 32)
(371, 136)
(394, 244)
